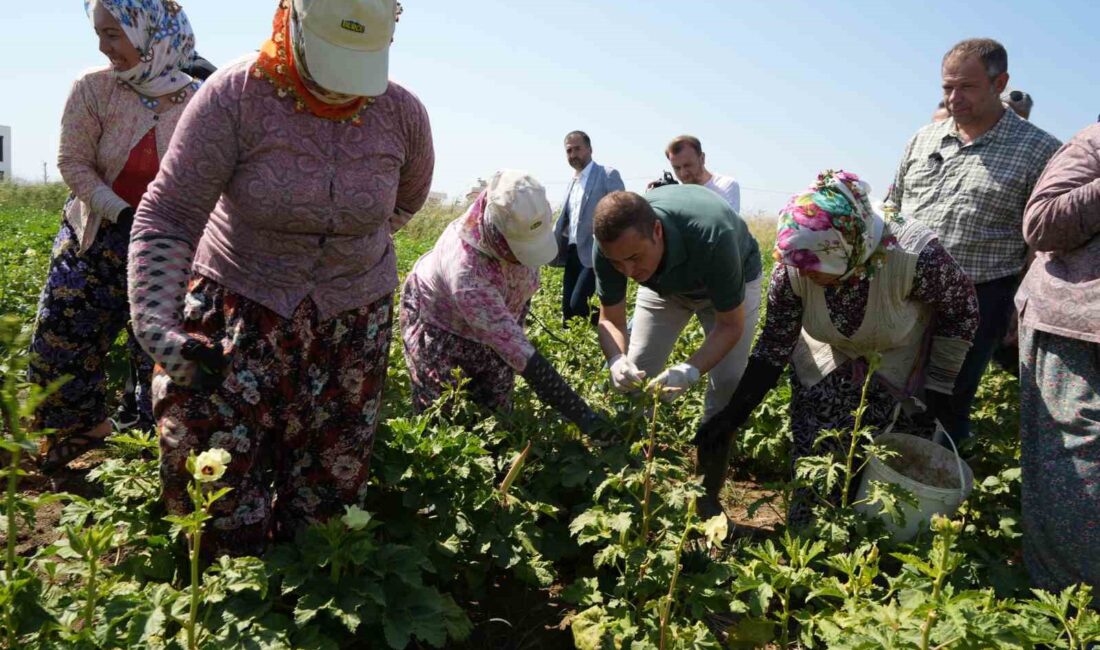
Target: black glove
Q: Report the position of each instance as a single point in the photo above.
(939, 407)
(759, 378)
(125, 217)
(211, 361)
(554, 391)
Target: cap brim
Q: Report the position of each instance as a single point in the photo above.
(352, 72)
(536, 254)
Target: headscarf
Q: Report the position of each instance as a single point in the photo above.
(832, 228)
(477, 231)
(279, 65)
(160, 32)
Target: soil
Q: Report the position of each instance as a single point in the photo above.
(71, 479)
(736, 498)
(513, 616)
(939, 477)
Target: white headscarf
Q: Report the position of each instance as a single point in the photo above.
(162, 35)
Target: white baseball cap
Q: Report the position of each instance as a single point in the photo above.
(347, 43)
(518, 208)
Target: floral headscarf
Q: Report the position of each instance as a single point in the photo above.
(477, 231)
(832, 228)
(160, 32)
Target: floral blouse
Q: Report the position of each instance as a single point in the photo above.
(938, 281)
(467, 289)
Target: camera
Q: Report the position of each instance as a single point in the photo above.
(665, 179)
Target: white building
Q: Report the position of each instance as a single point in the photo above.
(5, 153)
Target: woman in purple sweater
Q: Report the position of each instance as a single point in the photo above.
(262, 268)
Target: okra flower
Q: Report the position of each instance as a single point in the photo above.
(210, 465)
(355, 518)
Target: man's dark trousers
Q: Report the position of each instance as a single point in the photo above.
(995, 309)
(578, 285)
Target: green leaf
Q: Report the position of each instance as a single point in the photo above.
(607, 556)
(889, 496)
(310, 604)
(621, 522)
(588, 629)
(750, 633)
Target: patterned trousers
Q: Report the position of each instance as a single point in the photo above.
(1060, 458)
(297, 411)
(432, 354)
(81, 311)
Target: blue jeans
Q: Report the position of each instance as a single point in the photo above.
(578, 284)
(995, 308)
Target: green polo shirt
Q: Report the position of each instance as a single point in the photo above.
(709, 252)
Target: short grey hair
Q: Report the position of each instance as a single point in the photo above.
(991, 53)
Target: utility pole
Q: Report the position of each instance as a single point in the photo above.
(45, 178)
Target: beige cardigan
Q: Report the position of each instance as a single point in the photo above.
(102, 122)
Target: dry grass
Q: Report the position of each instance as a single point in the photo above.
(429, 223)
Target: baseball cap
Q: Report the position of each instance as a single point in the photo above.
(518, 208)
(347, 43)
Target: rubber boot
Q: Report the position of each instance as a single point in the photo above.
(713, 465)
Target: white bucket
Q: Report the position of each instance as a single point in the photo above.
(927, 461)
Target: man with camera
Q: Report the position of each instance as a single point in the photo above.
(692, 256)
(573, 230)
(685, 154)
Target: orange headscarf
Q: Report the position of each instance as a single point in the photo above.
(276, 63)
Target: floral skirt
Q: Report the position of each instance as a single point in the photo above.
(297, 411)
(1060, 459)
(82, 309)
(432, 354)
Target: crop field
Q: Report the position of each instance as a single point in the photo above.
(512, 530)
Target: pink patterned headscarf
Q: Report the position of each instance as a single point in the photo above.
(478, 232)
(832, 228)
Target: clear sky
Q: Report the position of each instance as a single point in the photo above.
(775, 90)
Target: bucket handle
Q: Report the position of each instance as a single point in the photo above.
(893, 419)
(958, 459)
(936, 437)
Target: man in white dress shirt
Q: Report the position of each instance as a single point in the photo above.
(574, 227)
(685, 154)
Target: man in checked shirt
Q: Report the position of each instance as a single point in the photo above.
(968, 178)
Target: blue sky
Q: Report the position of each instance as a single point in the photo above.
(776, 90)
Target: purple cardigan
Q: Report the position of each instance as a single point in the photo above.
(1061, 292)
(282, 206)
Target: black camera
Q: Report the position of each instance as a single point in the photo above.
(665, 179)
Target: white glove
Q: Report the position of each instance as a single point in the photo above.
(625, 376)
(675, 380)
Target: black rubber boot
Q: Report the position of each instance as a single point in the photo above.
(713, 464)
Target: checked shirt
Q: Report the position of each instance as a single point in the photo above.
(973, 195)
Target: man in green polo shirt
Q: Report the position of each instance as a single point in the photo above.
(692, 255)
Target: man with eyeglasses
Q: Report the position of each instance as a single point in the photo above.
(968, 178)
